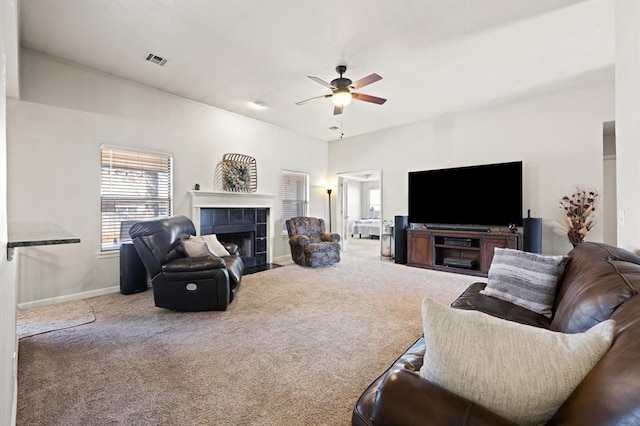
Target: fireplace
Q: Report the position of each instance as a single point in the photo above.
(241, 217)
(245, 227)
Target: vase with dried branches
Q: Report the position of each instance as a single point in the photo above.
(580, 209)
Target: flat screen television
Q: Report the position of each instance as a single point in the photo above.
(467, 197)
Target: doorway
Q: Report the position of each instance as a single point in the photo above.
(360, 211)
(609, 198)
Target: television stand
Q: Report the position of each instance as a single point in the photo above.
(463, 252)
(443, 227)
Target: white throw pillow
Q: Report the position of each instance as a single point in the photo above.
(521, 372)
(215, 246)
(525, 279)
(195, 247)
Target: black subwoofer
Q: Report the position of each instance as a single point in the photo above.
(400, 238)
(532, 234)
(133, 275)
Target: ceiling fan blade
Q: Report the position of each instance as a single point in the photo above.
(372, 78)
(368, 98)
(337, 109)
(324, 83)
(313, 99)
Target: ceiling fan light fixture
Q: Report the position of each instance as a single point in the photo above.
(341, 90)
(342, 97)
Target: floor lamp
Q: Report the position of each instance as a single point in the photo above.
(329, 192)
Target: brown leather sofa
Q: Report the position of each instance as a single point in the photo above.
(182, 283)
(599, 282)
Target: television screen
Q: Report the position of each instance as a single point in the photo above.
(485, 195)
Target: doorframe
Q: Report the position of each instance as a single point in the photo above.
(343, 197)
(609, 199)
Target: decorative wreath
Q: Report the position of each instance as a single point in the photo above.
(239, 173)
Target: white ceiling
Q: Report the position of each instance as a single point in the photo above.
(435, 56)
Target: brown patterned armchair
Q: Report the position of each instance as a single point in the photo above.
(310, 244)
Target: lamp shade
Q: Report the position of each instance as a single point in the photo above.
(342, 97)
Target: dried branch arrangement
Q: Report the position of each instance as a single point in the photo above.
(580, 209)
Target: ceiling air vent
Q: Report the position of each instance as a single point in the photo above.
(156, 59)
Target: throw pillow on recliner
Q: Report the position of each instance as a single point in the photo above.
(203, 245)
(194, 247)
(214, 245)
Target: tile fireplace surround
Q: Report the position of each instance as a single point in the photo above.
(236, 212)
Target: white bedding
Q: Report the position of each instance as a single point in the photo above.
(370, 227)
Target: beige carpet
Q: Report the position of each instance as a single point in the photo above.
(53, 317)
(297, 347)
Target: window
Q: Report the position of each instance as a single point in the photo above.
(134, 186)
(295, 196)
(374, 203)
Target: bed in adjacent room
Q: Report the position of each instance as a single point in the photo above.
(367, 227)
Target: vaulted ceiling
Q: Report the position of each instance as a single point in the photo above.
(435, 56)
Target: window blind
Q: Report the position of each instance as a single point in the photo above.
(134, 186)
(295, 195)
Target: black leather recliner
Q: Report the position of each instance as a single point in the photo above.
(207, 283)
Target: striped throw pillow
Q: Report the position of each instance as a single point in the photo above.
(525, 279)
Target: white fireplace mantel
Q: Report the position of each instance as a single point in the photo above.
(222, 199)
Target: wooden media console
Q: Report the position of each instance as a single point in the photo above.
(464, 252)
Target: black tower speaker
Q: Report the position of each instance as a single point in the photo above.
(133, 275)
(532, 234)
(400, 238)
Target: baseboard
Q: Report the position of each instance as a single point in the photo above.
(283, 260)
(14, 408)
(68, 298)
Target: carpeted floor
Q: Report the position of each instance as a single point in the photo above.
(53, 317)
(296, 347)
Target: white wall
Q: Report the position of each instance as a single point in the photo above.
(558, 136)
(8, 341)
(54, 137)
(627, 123)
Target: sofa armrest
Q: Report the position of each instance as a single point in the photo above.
(331, 238)
(472, 299)
(299, 240)
(404, 398)
(191, 264)
(231, 248)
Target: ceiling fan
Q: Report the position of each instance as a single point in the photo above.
(343, 90)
